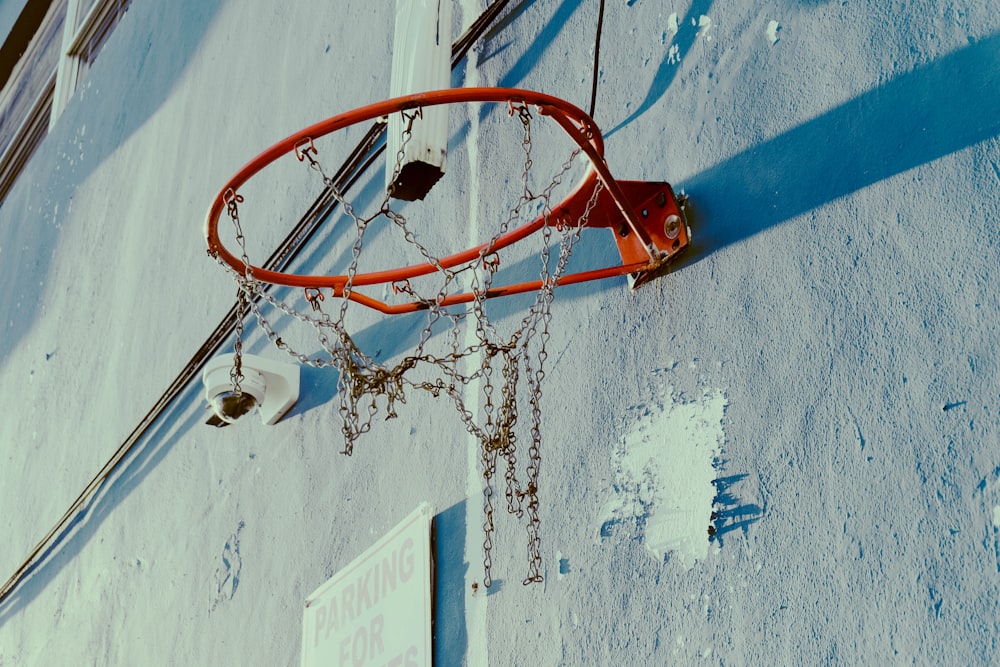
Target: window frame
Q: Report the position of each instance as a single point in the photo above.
(33, 129)
(83, 37)
(34, 125)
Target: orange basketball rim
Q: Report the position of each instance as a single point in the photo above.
(645, 217)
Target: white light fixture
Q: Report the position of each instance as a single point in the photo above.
(270, 387)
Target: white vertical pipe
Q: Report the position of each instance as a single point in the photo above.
(421, 61)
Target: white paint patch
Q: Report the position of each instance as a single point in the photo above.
(665, 471)
(996, 516)
(773, 28)
(704, 25)
(672, 26)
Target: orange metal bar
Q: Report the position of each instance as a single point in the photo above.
(493, 292)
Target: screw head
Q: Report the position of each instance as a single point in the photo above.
(672, 226)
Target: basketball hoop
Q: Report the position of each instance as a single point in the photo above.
(645, 219)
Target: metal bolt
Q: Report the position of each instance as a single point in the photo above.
(672, 226)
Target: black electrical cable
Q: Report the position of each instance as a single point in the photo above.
(597, 57)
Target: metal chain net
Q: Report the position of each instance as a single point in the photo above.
(496, 362)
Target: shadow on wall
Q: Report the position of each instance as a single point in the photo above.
(730, 513)
(172, 426)
(139, 73)
(935, 110)
(520, 70)
(136, 73)
(450, 639)
(669, 67)
(664, 76)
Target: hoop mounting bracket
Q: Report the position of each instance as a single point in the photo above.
(663, 231)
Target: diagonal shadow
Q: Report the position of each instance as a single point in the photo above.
(543, 41)
(171, 427)
(134, 86)
(935, 110)
(669, 66)
(451, 640)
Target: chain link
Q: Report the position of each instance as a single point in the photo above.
(236, 376)
(498, 363)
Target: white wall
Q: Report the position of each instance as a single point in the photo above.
(839, 295)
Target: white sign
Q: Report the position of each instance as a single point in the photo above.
(377, 610)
